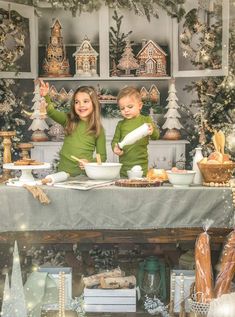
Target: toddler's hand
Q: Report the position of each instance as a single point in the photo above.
(117, 150)
(44, 88)
(150, 129)
(82, 163)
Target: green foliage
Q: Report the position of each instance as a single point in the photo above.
(148, 8)
(63, 106)
(117, 39)
(215, 102)
(149, 104)
(11, 116)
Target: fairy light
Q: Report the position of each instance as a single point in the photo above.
(61, 294)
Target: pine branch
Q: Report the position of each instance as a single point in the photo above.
(174, 8)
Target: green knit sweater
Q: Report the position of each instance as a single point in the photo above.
(79, 143)
(137, 153)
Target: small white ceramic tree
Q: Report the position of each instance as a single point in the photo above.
(38, 116)
(172, 123)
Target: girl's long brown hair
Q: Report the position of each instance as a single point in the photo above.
(94, 121)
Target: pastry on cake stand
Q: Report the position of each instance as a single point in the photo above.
(26, 177)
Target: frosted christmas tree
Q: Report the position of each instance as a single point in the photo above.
(172, 123)
(6, 301)
(17, 297)
(38, 116)
(128, 61)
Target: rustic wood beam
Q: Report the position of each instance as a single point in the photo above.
(159, 236)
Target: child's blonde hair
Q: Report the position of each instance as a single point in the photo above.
(129, 91)
(94, 120)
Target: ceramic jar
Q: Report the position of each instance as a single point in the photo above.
(197, 158)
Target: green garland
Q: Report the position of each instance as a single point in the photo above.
(205, 53)
(12, 39)
(148, 8)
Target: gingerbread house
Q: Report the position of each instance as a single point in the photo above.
(144, 93)
(154, 94)
(152, 60)
(55, 63)
(85, 60)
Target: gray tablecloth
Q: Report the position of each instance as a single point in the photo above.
(115, 208)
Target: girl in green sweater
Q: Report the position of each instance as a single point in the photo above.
(84, 133)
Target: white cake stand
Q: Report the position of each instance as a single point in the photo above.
(26, 177)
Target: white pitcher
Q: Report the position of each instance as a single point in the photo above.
(197, 158)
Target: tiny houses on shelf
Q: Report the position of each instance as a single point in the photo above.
(152, 60)
(152, 94)
(144, 93)
(55, 63)
(85, 60)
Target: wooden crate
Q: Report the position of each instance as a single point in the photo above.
(113, 300)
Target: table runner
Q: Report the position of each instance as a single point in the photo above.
(116, 208)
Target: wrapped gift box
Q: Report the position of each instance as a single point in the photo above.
(110, 300)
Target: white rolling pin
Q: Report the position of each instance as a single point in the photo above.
(135, 135)
(55, 178)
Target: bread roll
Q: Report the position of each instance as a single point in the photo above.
(217, 156)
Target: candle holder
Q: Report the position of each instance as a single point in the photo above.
(25, 149)
(7, 144)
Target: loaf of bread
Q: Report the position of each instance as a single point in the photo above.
(227, 267)
(203, 268)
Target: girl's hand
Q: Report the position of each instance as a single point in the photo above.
(82, 163)
(150, 132)
(117, 150)
(44, 88)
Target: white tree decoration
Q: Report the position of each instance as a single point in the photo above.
(17, 296)
(172, 124)
(6, 301)
(38, 116)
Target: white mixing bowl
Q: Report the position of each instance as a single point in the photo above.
(103, 171)
(182, 179)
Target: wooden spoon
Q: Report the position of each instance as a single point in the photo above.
(75, 158)
(214, 139)
(98, 159)
(221, 141)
